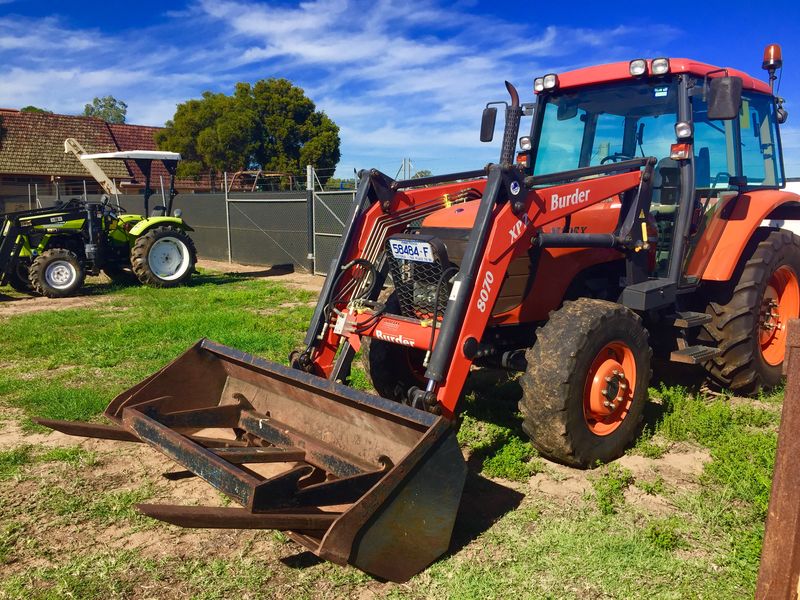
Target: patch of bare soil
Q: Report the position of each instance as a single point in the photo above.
(10, 307)
(54, 534)
(679, 468)
(285, 274)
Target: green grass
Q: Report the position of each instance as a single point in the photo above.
(742, 440)
(12, 461)
(10, 533)
(609, 485)
(703, 539)
(665, 534)
(68, 364)
(491, 430)
(78, 500)
(649, 447)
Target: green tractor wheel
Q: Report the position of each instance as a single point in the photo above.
(56, 273)
(163, 257)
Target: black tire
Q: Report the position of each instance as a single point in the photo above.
(179, 257)
(555, 383)
(19, 278)
(392, 369)
(737, 317)
(57, 273)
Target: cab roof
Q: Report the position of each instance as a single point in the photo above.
(135, 154)
(619, 71)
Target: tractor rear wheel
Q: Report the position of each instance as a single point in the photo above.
(750, 314)
(163, 257)
(392, 369)
(19, 278)
(57, 273)
(586, 382)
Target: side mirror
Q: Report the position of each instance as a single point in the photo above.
(724, 98)
(488, 121)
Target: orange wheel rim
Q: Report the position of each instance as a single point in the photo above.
(781, 303)
(610, 387)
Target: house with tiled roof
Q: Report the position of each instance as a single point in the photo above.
(33, 162)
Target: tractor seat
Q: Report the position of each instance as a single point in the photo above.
(666, 182)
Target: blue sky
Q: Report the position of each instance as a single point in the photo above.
(401, 79)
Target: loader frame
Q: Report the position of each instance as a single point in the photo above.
(501, 229)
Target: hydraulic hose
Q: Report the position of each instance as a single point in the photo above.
(511, 131)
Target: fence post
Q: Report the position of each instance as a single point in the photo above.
(227, 218)
(310, 217)
(780, 555)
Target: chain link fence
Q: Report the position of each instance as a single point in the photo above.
(300, 228)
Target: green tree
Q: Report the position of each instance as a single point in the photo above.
(421, 173)
(107, 108)
(35, 109)
(270, 125)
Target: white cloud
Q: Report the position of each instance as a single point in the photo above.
(400, 79)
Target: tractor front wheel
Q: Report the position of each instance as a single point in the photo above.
(163, 257)
(392, 369)
(56, 273)
(585, 386)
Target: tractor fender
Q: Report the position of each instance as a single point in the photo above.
(730, 225)
(150, 222)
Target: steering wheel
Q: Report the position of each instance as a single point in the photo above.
(106, 202)
(615, 157)
(718, 178)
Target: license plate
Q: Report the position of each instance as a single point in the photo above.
(412, 250)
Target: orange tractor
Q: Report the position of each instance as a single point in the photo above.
(643, 216)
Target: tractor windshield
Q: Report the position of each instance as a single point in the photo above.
(595, 125)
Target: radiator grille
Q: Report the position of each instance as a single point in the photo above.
(415, 284)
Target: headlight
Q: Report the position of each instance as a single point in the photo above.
(525, 143)
(638, 67)
(538, 84)
(659, 66)
(177, 213)
(550, 81)
(683, 130)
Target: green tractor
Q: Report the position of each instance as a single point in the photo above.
(49, 251)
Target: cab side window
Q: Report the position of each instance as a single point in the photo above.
(759, 141)
(717, 149)
(713, 149)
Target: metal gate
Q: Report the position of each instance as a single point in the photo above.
(331, 210)
(268, 229)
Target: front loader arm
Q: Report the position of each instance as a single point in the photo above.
(507, 234)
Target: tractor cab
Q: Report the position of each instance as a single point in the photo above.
(144, 160)
(712, 132)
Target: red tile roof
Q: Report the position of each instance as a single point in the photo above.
(33, 144)
(139, 137)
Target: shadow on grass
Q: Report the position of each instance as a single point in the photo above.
(690, 378)
(483, 503)
(128, 280)
(492, 397)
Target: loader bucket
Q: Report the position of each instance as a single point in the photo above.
(352, 477)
